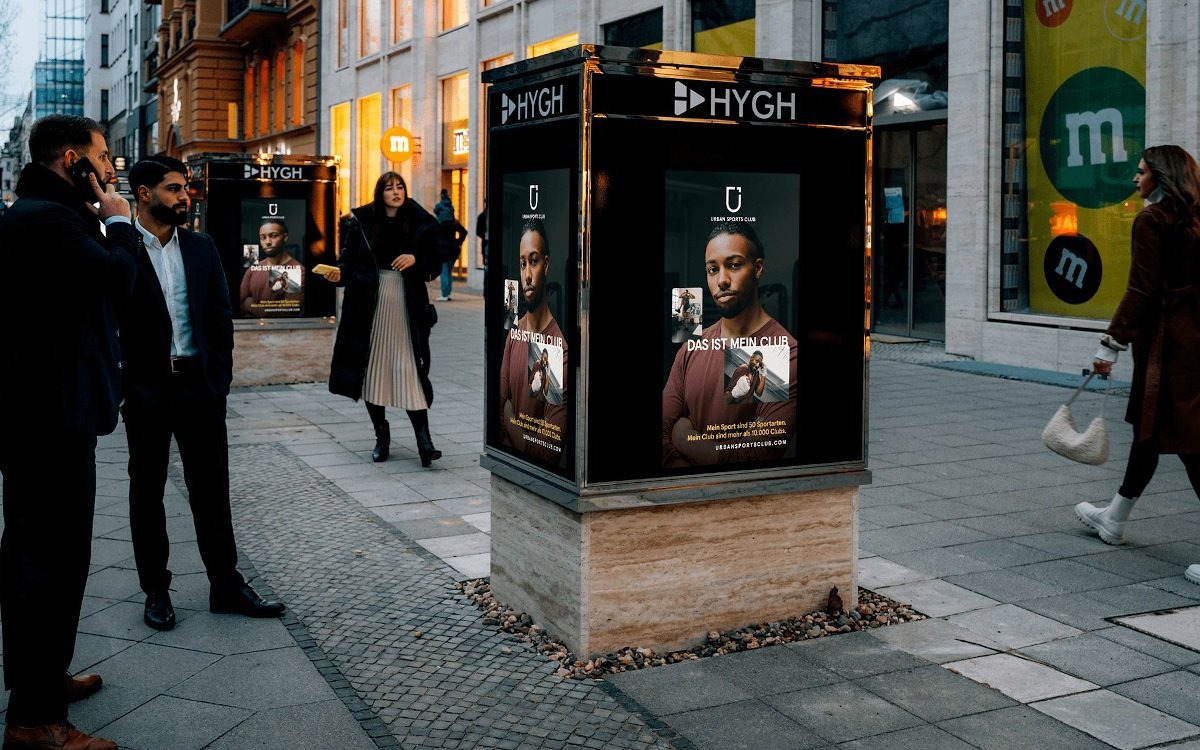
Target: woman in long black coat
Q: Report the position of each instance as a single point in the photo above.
(381, 352)
(1159, 316)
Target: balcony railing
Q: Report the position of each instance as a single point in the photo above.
(249, 19)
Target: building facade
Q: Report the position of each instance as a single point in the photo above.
(112, 75)
(236, 76)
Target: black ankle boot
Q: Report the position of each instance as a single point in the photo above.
(383, 442)
(420, 422)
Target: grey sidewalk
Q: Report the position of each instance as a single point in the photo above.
(969, 519)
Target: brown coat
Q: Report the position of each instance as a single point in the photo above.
(1159, 316)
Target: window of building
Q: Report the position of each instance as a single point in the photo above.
(264, 88)
(401, 114)
(104, 50)
(103, 6)
(401, 20)
(368, 157)
(1074, 115)
(642, 30)
(280, 88)
(454, 14)
(455, 146)
(723, 27)
(368, 27)
(908, 39)
(298, 103)
(553, 45)
(339, 145)
(103, 105)
(231, 121)
(343, 32)
(249, 99)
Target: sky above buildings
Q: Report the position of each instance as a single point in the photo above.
(25, 41)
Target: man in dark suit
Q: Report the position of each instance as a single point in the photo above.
(177, 337)
(60, 368)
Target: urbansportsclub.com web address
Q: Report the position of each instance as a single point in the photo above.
(750, 444)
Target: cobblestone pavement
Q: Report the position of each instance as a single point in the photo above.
(384, 617)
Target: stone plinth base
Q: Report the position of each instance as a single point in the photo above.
(663, 576)
(276, 354)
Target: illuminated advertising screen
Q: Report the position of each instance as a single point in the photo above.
(273, 277)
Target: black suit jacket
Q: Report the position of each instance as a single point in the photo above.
(146, 331)
(60, 367)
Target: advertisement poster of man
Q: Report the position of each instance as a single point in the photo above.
(534, 367)
(730, 392)
(272, 242)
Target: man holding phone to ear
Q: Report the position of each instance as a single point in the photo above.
(61, 369)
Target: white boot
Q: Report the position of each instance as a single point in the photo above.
(1192, 573)
(1108, 522)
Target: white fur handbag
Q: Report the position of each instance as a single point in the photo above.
(1061, 436)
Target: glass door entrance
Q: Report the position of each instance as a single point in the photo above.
(909, 255)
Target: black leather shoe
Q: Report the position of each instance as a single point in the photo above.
(160, 615)
(242, 600)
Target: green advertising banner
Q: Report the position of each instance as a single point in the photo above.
(1085, 105)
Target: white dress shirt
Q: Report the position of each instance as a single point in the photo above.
(168, 265)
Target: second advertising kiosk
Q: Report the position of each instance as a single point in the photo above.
(677, 344)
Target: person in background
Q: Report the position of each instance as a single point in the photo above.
(381, 351)
(177, 337)
(61, 368)
(443, 211)
(1159, 317)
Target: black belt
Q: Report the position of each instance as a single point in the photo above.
(181, 365)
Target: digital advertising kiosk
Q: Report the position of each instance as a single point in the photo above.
(676, 322)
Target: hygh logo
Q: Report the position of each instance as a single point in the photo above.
(527, 105)
(1092, 132)
(249, 171)
(1072, 268)
(685, 99)
(533, 197)
(730, 192)
(737, 103)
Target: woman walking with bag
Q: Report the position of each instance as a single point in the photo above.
(1159, 316)
(381, 353)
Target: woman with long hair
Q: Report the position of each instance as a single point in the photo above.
(1159, 317)
(381, 352)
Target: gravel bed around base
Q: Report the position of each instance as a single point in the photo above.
(873, 611)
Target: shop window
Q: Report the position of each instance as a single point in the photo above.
(339, 132)
(723, 27)
(553, 45)
(401, 21)
(907, 39)
(642, 30)
(1074, 114)
(231, 120)
(368, 157)
(454, 14)
(368, 27)
(455, 134)
(402, 115)
(264, 88)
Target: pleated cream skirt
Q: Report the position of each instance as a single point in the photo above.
(392, 378)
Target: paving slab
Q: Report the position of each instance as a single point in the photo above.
(842, 711)
(936, 640)
(934, 694)
(1022, 680)
(854, 655)
(166, 722)
(917, 738)
(1179, 626)
(677, 688)
(1117, 720)
(1175, 693)
(1020, 727)
(937, 598)
(1097, 660)
(1012, 626)
(745, 725)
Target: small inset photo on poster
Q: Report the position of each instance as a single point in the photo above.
(545, 373)
(509, 316)
(686, 315)
(756, 375)
(272, 284)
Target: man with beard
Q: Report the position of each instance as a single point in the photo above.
(261, 291)
(694, 400)
(177, 338)
(60, 368)
(519, 404)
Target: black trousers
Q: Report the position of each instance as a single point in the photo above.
(49, 500)
(1143, 462)
(196, 419)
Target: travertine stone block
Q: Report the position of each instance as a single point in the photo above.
(663, 576)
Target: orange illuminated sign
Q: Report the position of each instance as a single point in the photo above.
(397, 144)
